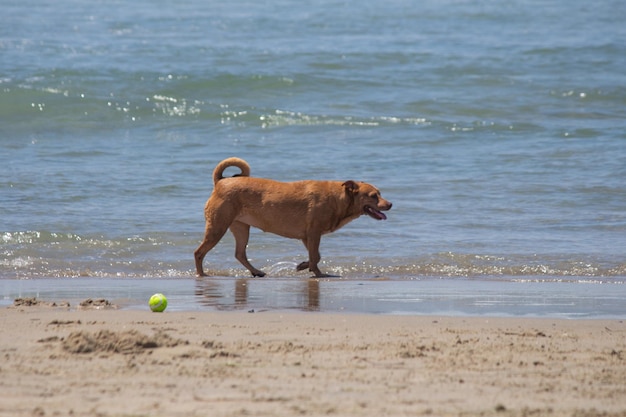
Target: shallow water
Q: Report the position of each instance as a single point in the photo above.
(496, 130)
(496, 297)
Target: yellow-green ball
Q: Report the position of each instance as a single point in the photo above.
(158, 303)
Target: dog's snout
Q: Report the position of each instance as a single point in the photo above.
(386, 205)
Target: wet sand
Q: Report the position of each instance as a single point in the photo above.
(97, 360)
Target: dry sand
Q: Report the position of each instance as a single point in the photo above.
(57, 361)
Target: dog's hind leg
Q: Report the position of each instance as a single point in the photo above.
(212, 236)
(241, 232)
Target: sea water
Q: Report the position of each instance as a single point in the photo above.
(496, 129)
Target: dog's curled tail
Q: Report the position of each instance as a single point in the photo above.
(218, 172)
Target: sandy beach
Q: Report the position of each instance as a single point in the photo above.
(64, 361)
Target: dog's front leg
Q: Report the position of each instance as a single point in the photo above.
(312, 243)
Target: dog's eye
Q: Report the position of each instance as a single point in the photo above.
(374, 196)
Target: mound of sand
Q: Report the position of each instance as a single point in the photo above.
(126, 342)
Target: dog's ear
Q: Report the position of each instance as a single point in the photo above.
(351, 186)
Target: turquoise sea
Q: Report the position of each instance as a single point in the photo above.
(497, 129)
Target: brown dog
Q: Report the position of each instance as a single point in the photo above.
(302, 210)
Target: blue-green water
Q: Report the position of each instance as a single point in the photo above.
(497, 130)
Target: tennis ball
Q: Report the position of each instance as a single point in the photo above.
(158, 303)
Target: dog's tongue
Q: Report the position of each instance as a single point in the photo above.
(375, 214)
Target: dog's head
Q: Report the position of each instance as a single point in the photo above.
(368, 198)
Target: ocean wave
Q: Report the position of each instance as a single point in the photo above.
(44, 254)
(74, 107)
(68, 100)
(280, 118)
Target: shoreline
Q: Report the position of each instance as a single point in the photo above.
(126, 362)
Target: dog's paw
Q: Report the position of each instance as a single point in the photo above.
(302, 266)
